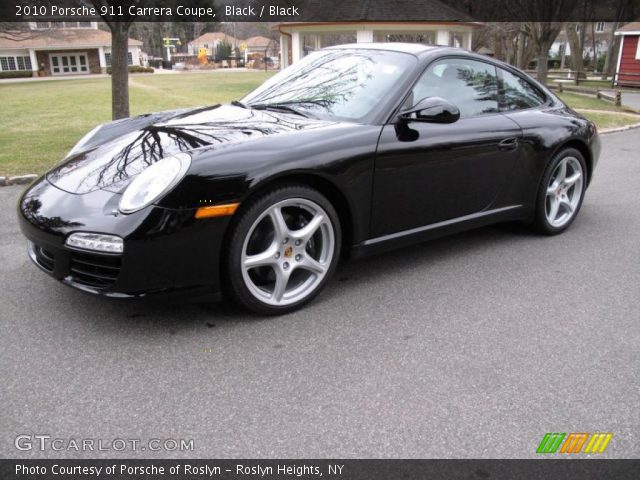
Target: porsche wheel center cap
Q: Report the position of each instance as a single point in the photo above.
(288, 252)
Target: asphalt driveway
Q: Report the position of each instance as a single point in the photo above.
(469, 346)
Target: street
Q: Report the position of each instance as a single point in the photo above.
(472, 346)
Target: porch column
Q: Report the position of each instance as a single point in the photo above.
(466, 41)
(296, 47)
(102, 59)
(284, 51)
(318, 42)
(34, 61)
(364, 36)
(442, 37)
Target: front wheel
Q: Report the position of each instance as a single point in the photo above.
(282, 250)
(561, 192)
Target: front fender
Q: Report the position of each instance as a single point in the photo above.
(341, 155)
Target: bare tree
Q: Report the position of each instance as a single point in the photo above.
(509, 41)
(119, 55)
(543, 32)
(575, 37)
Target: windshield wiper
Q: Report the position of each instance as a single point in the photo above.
(278, 107)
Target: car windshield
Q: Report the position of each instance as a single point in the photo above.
(344, 84)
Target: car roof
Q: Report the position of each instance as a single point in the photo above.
(412, 48)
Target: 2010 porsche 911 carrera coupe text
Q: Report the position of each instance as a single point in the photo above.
(353, 150)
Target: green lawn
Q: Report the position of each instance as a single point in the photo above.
(611, 120)
(587, 102)
(616, 118)
(41, 121)
(601, 84)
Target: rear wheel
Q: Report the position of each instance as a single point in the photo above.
(561, 192)
(283, 249)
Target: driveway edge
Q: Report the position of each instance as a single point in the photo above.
(619, 129)
(17, 180)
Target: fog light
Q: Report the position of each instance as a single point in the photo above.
(96, 241)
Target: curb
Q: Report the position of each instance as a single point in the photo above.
(17, 180)
(619, 129)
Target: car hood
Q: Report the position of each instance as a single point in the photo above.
(119, 151)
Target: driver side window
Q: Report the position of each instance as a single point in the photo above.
(470, 85)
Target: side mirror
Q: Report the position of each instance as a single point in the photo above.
(431, 110)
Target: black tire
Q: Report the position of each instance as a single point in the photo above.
(541, 221)
(236, 285)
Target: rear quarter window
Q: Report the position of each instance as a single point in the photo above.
(518, 93)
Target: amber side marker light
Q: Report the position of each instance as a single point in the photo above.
(217, 210)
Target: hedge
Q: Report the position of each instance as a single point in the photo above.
(136, 69)
(17, 74)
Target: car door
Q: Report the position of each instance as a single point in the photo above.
(426, 172)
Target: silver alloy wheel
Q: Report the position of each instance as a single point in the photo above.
(289, 263)
(564, 192)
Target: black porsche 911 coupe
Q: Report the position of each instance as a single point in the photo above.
(353, 150)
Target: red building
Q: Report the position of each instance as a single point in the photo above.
(628, 69)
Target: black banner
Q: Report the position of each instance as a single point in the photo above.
(314, 469)
(320, 10)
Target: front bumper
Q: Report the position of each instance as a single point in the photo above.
(164, 250)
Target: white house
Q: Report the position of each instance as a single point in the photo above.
(210, 42)
(430, 22)
(298, 39)
(61, 48)
(261, 45)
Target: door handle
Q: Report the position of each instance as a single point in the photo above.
(510, 143)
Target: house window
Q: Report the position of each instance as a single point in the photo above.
(15, 63)
(49, 25)
(24, 63)
(600, 27)
(4, 63)
(107, 58)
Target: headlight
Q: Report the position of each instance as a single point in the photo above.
(154, 182)
(83, 141)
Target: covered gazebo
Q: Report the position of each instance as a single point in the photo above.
(425, 21)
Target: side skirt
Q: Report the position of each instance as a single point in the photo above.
(435, 230)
